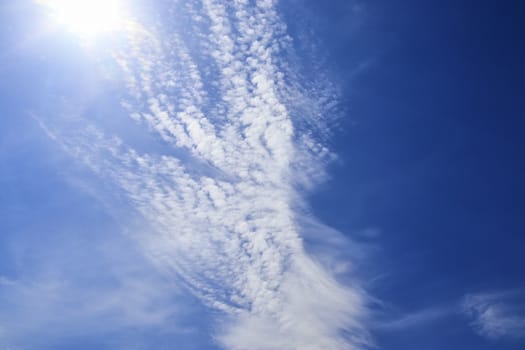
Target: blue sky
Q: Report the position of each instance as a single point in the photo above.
(262, 175)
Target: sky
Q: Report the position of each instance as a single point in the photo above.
(262, 174)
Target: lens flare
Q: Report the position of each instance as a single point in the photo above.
(87, 18)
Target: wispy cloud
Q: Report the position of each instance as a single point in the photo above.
(496, 315)
(244, 137)
(83, 289)
(419, 318)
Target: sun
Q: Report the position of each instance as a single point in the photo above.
(87, 18)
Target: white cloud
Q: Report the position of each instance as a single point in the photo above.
(242, 134)
(496, 315)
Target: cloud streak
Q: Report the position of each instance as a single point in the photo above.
(496, 315)
(243, 138)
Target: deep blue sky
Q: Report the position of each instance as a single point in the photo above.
(428, 181)
(434, 152)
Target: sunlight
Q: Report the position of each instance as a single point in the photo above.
(87, 18)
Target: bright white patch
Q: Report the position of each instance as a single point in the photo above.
(87, 18)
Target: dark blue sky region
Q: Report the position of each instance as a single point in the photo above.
(434, 153)
(427, 189)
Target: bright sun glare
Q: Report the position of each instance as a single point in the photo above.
(87, 18)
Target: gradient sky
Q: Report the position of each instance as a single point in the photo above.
(264, 175)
